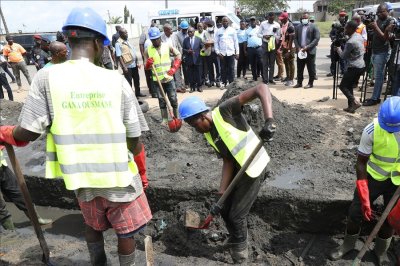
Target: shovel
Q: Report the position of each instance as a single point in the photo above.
(378, 225)
(175, 124)
(28, 203)
(192, 219)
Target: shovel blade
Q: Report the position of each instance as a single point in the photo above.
(174, 125)
(192, 219)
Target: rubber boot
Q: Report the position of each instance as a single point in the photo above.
(349, 244)
(164, 115)
(239, 252)
(380, 250)
(97, 253)
(8, 224)
(127, 260)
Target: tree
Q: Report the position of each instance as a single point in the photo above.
(261, 6)
(334, 6)
(126, 15)
(132, 19)
(115, 20)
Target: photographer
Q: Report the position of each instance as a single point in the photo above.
(336, 34)
(354, 53)
(380, 49)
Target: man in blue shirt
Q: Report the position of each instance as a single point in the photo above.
(128, 60)
(242, 40)
(254, 51)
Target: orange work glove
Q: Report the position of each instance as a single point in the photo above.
(363, 194)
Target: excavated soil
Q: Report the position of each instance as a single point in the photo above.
(304, 199)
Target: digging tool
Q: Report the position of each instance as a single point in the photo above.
(378, 225)
(28, 203)
(175, 124)
(148, 247)
(192, 219)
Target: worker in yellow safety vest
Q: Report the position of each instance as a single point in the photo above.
(228, 132)
(93, 124)
(378, 174)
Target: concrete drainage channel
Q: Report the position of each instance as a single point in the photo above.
(300, 210)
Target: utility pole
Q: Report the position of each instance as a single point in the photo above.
(166, 4)
(4, 20)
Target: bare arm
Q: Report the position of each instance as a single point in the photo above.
(134, 145)
(361, 166)
(261, 91)
(227, 174)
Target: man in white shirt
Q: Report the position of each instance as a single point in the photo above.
(270, 32)
(227, 48)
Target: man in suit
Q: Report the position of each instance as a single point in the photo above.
(306, 40)
(191, 51)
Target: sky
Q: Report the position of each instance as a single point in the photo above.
(41, 16)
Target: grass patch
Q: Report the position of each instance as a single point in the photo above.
(324, 28)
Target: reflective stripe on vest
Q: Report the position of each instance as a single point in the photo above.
(240, 143)
(384, 161)
(2, 158)
(162, 64)
(86, 145)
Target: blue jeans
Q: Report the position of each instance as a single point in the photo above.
(379, 62)
(170, 91)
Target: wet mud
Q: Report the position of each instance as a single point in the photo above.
(305, 197)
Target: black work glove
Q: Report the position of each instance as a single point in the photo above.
(268, 130)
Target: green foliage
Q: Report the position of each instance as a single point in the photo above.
(115, 20)
(334, 6)
(324, 28)
(261, 6)
(126, 15)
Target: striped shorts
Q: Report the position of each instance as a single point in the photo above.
(125, 217)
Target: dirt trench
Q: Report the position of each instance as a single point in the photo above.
(306, 195)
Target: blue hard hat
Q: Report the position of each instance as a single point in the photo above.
(389, 115)
(154, 33)
(87, 18)
(191, 106)
(184, 24)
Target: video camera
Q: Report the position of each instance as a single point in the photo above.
(339, 37)
(368, 18)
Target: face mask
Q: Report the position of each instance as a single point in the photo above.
(210, 29)
(304, 21)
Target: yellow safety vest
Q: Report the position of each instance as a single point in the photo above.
(86, 145)
(2, 159)
(384, 161)
(161, 63)
(271, 43)
(240, 143)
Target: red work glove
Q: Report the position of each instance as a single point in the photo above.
(6, 135)
(174, 68)
(140, 161)
(149, 63)
(363, 194)
(394, 218)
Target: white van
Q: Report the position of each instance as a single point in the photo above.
(193, 15)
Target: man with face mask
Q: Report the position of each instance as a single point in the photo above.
(306, 40)
(212, 61)
(382, 28)
(13, 53)
(270, 32)
(227, 49)
(254, 50)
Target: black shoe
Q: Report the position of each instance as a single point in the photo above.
(271, 82)
(192, 90)
(208, 84)
(218, 84)
(308, 86)
(371, 102)
(329, 75)
(154, 96)
(199, 89)
(298, 85)
(254, 79)
(141, 95)
(276, 78)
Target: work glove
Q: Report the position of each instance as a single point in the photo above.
(149, 63)
(394, 217)
(268, 130)
(363, 194)
(6, 135)
(174, 68)
(140, 161)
